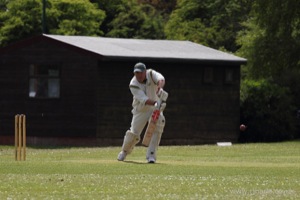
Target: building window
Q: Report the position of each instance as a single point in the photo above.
(44, 81)
(229, 76)
(208, 75)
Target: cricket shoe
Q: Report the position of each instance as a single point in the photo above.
(122, 155)
(151, 160)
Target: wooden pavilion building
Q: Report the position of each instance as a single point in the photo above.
(74, 89)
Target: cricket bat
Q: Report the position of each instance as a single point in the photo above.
(152, 121)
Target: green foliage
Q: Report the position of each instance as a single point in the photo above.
(3, 4)
(290, 78)
(74, 17)
(136, 21)
(212, 23)
(187, 22)
(21, 19)
(270, 41)
(163, 6)
(271, 38)
(268, 111)
(111, 10)
(246, 39)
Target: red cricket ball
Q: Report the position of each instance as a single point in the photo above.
(243, 127)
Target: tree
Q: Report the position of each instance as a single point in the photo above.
(164, 6)
(271, 43)
(74, 17)
(136, 21)
(22, 19)
(268, 111)
(212, 23)
(3, 4)
(111, 9)
(271, 39)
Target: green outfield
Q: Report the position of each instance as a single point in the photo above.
(241, 171)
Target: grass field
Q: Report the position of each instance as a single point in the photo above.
(241, 171)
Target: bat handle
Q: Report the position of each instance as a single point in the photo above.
(155, 115)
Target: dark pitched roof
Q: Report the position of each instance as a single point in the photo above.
(146, 49)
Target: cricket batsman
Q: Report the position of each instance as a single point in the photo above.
(146, 87)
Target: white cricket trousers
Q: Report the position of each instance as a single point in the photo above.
(139, 121)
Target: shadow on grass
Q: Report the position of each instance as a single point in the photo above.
(141, 163)
(63, 147)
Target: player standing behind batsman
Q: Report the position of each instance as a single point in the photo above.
(144, 86)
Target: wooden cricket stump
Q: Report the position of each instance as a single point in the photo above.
(20, 137)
